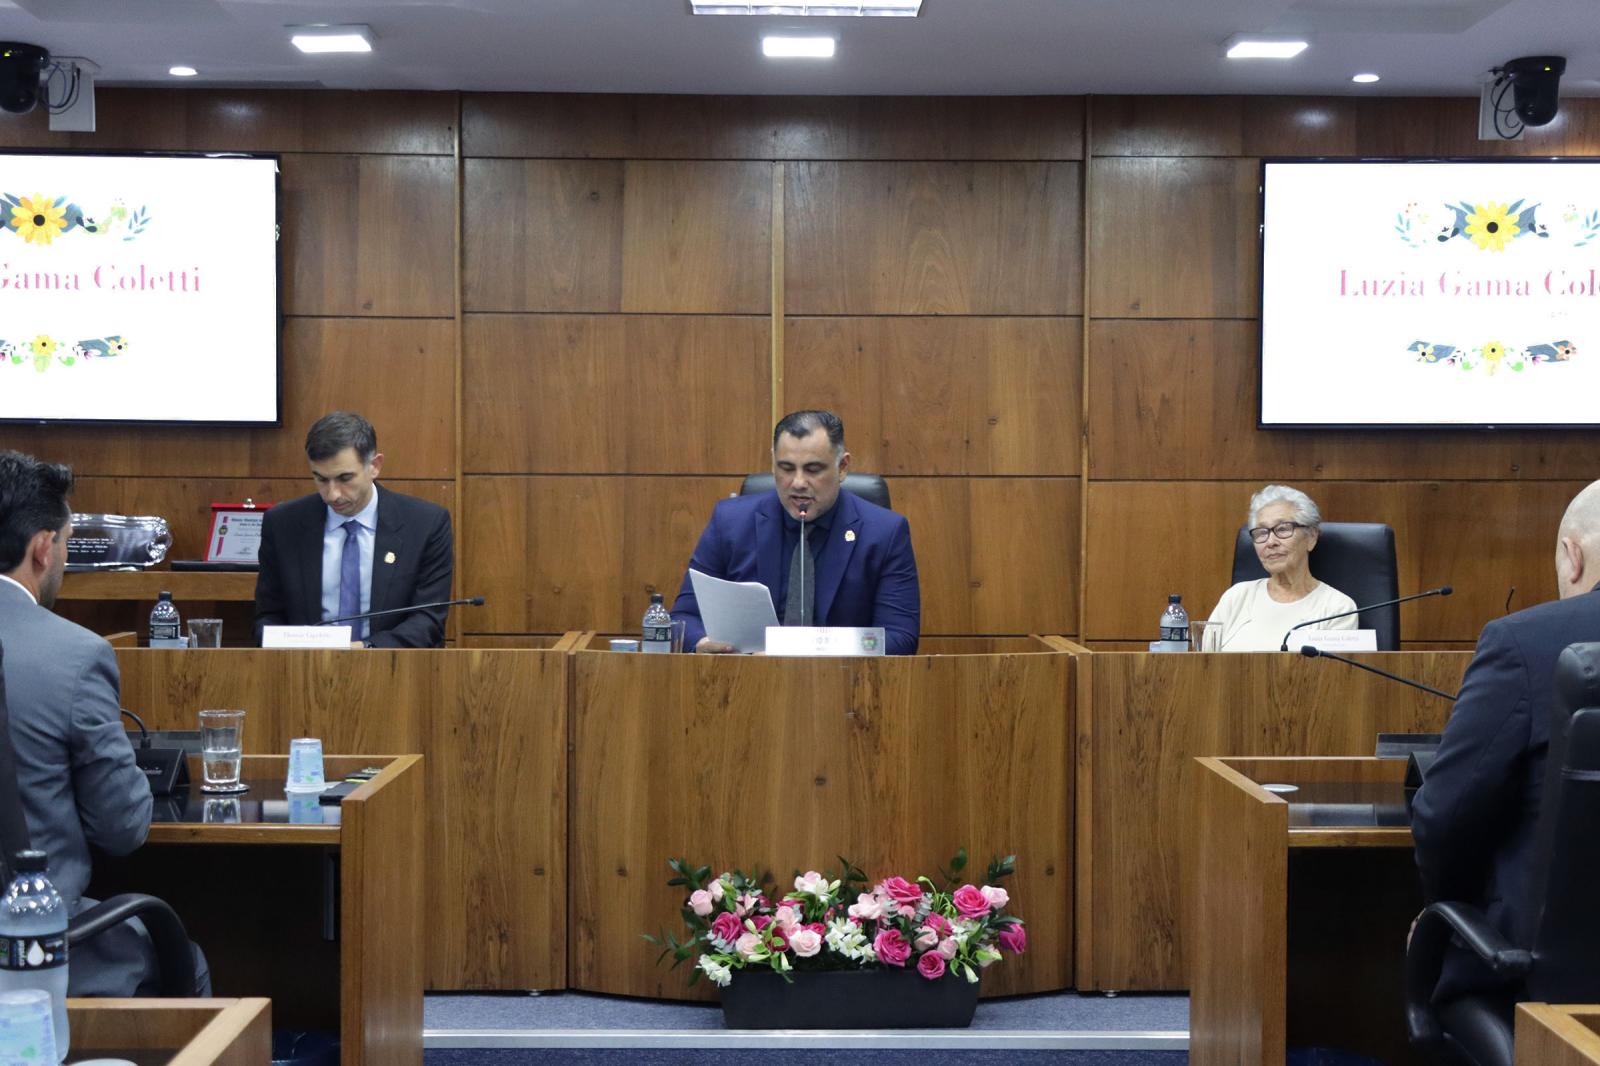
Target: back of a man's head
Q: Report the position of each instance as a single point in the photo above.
(33, 497)
(335, 432)
(1577, 571)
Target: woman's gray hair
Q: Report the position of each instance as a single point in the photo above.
(1305, 508)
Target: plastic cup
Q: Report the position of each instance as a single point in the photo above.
(221, 747)
(26, 1027)
(205, 632)
(305, 766)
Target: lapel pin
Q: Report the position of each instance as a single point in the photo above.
(849, 535)
(389, 558)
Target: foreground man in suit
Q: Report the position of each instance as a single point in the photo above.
(75, 768)
(349, 548)
(860, 571)
(1475, 816)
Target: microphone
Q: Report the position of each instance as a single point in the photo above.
(470, 601)
(1311, 651)
(804, 506)
(166, 769)
(1444, 590)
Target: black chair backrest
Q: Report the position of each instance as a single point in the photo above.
(13, 827)
(1566, 923)
(869, 487)
(1357, 558)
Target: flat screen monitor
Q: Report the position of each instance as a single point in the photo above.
(1430, 293)
(139, 289)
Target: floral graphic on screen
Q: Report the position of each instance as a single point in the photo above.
(1492, 356)
(44, 350)
(39, 219)
(1492, 225)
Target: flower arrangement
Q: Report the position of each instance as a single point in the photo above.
(844, 922)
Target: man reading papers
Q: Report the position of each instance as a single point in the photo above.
(828, 557)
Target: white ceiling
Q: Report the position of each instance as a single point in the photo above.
(1420, 47)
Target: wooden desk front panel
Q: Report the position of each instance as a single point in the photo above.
(492, 727)
(1150, 716)
(892, 763)
(1549, 1035)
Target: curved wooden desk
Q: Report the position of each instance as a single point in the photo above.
(891, 762)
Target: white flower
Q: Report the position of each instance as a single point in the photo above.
(716, 890)
(997, 897)
(811, 883)
(846, 938)
(720, 975)
(867, 908)
(805, 942)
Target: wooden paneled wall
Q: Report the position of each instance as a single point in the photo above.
(574, 317)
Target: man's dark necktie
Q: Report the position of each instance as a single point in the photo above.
(350, 574)
(800, 608)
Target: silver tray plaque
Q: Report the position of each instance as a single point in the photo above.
(117, 542)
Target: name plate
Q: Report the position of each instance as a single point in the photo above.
(824, 640)
(305, 636)
(1338, 640)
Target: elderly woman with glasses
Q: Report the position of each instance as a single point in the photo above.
(1254, 615)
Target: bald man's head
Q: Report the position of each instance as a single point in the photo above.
(1578, 543)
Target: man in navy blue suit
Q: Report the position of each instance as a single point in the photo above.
(858, 566)
(1474, 817)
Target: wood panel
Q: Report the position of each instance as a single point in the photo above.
(894, 763)
(1149, 718)
(574, 394)
(1148, 539)
(591, 125)
(244, 120)
(944, 395)
(932, 238)
(491, 726)
(1177, 400)
(1174, 238)
(622, 235)
(1556, 1036)
(369, 235)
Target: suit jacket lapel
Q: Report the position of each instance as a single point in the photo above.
(833, 563)
(310, 536)
(769, 545)
(390, 540)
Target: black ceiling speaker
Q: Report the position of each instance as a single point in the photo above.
(1534, 84)
(21, 66)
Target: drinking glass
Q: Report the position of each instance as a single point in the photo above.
(679, 628)
(221, 736)
(1204, 635)
(205, 632)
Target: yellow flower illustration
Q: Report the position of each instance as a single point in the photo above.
(1493, 352)
(44, 344)
(1490, 226)
(38, 219)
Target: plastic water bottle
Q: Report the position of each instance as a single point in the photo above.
(656, 635)
(165, 623)
(1175, 621)
(33, 939)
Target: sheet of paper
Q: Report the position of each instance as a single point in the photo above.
(735, 612)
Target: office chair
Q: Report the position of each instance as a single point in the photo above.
(1554, 961)
(869, 487)
(1357, 558)
(174, 959)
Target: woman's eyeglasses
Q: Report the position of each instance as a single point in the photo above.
(1283, 531)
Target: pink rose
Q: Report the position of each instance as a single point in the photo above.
(931, 966)
(948, 948)
(997, 897)
(700, 902)
(787, 918)
(891, 948)
(970, 902)
(926, 939)
(939, 923)
(902, 891)
(816, 927)
(1014, 938)
(867, 908)
(805, 943)
(747, 945)
(726, 927)
(762, 921)
(716, 890)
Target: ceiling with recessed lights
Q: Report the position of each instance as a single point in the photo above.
(1418, 47)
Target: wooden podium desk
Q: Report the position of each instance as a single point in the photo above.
(1143, 718)
(317, 907)
(892, 762)
(172, 1032)
(492, 727)
(1299, 909)
(1557, 1035)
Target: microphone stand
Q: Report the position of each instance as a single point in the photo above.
(470, 601)
(803, 554)
(1311, 651)
(1442, 591)
(165, 769)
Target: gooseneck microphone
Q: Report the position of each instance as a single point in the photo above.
(1443, 590)
(166, 769)
(1311, 651)
(470, 601)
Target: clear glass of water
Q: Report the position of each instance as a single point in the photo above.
(221, 736)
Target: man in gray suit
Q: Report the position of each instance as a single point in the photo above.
(75, 766)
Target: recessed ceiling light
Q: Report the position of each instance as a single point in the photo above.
(317, 40)
(827, 8)
(797, 47)
(182, 72)
(1264, 48)
(1364, 79)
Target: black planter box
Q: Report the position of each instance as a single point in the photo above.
(848, 999)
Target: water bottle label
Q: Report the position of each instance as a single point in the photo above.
(33, 952)
(657, 633)
(1174, 633)
(163, 631)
